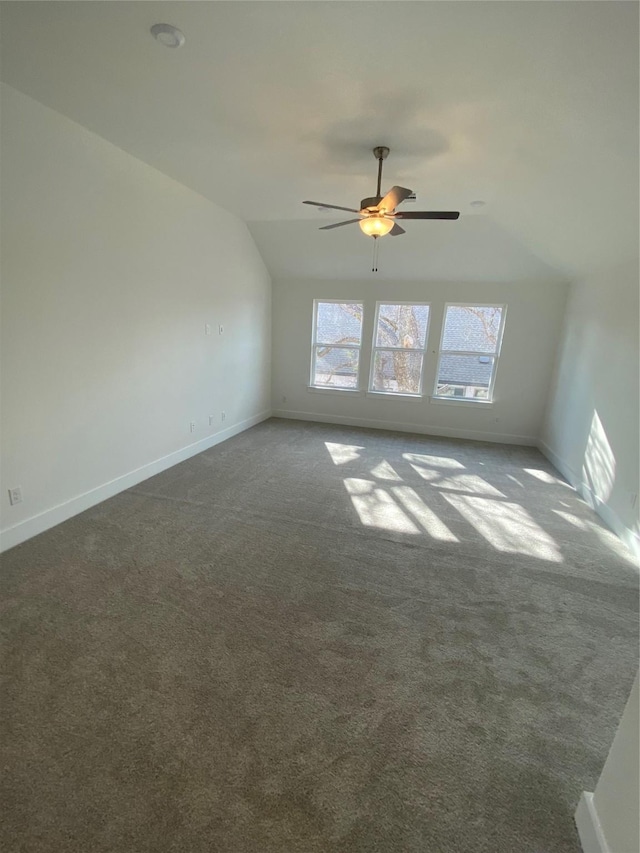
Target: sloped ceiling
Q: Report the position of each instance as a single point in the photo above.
(529, 106)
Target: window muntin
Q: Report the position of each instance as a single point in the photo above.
(471, 339)
(337, 339)
(399, 342)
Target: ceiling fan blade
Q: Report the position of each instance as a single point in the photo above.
(338, 224)
(331, 206)
(427, 214)
(396, 230)
(394, 197)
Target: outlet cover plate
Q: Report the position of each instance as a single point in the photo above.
(15, 496)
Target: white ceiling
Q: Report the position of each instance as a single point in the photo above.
(531, 106)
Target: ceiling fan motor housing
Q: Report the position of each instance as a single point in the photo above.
(367, 203)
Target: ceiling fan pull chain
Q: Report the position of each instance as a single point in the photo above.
(374, 265)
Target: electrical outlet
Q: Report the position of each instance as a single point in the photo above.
(211, 420)
(207, 328)
(15, 495)
(223, 416)
(192, 427)
(221, 329)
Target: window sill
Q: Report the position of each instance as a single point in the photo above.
(314, 389)
(451, 401)
(392, 395)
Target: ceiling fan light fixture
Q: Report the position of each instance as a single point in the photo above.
(375, 226)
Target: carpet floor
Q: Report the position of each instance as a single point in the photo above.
(316, 639)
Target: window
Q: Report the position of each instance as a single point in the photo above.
(337, 337)
(471, 337)
(398, 348)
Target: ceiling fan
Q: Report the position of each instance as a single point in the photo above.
(378, 215)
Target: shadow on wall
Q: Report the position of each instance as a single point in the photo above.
(398, 118)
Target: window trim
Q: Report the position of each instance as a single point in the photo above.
(314, 344)
(422, 351)
(494, 355)
(332, 389)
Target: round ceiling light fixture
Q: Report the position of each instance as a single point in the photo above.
(167, 35)
(376, 226)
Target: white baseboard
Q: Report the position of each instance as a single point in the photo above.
(588, 825)
(610, 518)
(24, 530)
(397, 426)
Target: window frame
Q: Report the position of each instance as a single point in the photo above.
(495, 355)
(315, 344)
(422, 351)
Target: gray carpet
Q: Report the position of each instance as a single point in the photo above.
(316, 638)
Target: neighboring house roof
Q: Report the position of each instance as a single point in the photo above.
(464, 370)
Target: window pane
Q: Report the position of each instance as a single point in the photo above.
(402, 326)
(465, 376)
(397, 372)
(336, 367)
(339, 322)
(469, 328)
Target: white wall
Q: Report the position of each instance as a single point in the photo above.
(617, 793)
(609, 819)
(592, 430)
(534, 318)
(110, 271)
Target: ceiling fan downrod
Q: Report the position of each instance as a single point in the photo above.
(380, 152)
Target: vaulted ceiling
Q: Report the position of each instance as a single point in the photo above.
(529, 106)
